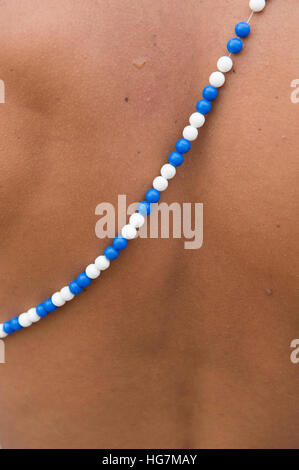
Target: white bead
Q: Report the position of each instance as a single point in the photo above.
(33, 316)
(257, 5)
(92, 271)
(102, 263)
(129, 232)
(137, 220)
(2, 332)
(224, 64)
(217, 79)
(190, 133)
(58, 300)
(66, 294)
(168, 171)
(24, 320)
(197, 120)
(160, 183)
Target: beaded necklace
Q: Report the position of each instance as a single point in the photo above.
(160, 183)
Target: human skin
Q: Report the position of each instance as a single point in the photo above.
(170, 348)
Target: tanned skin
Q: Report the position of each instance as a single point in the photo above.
(170, 348)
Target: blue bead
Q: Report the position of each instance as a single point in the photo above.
(111, 253)
(210, 93)
(75, 288)
(49, 306)
(183, 146)
(83, 280)
(234, 45)
(242, 29)
(204, 106)
(15, 325)
(41, 311)
(175, 159)
(152, 195)
(120, 243)
(144, 208)
(7, 328)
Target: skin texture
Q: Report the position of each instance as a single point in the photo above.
(171, 347)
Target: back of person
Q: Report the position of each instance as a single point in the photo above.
(170, 348)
